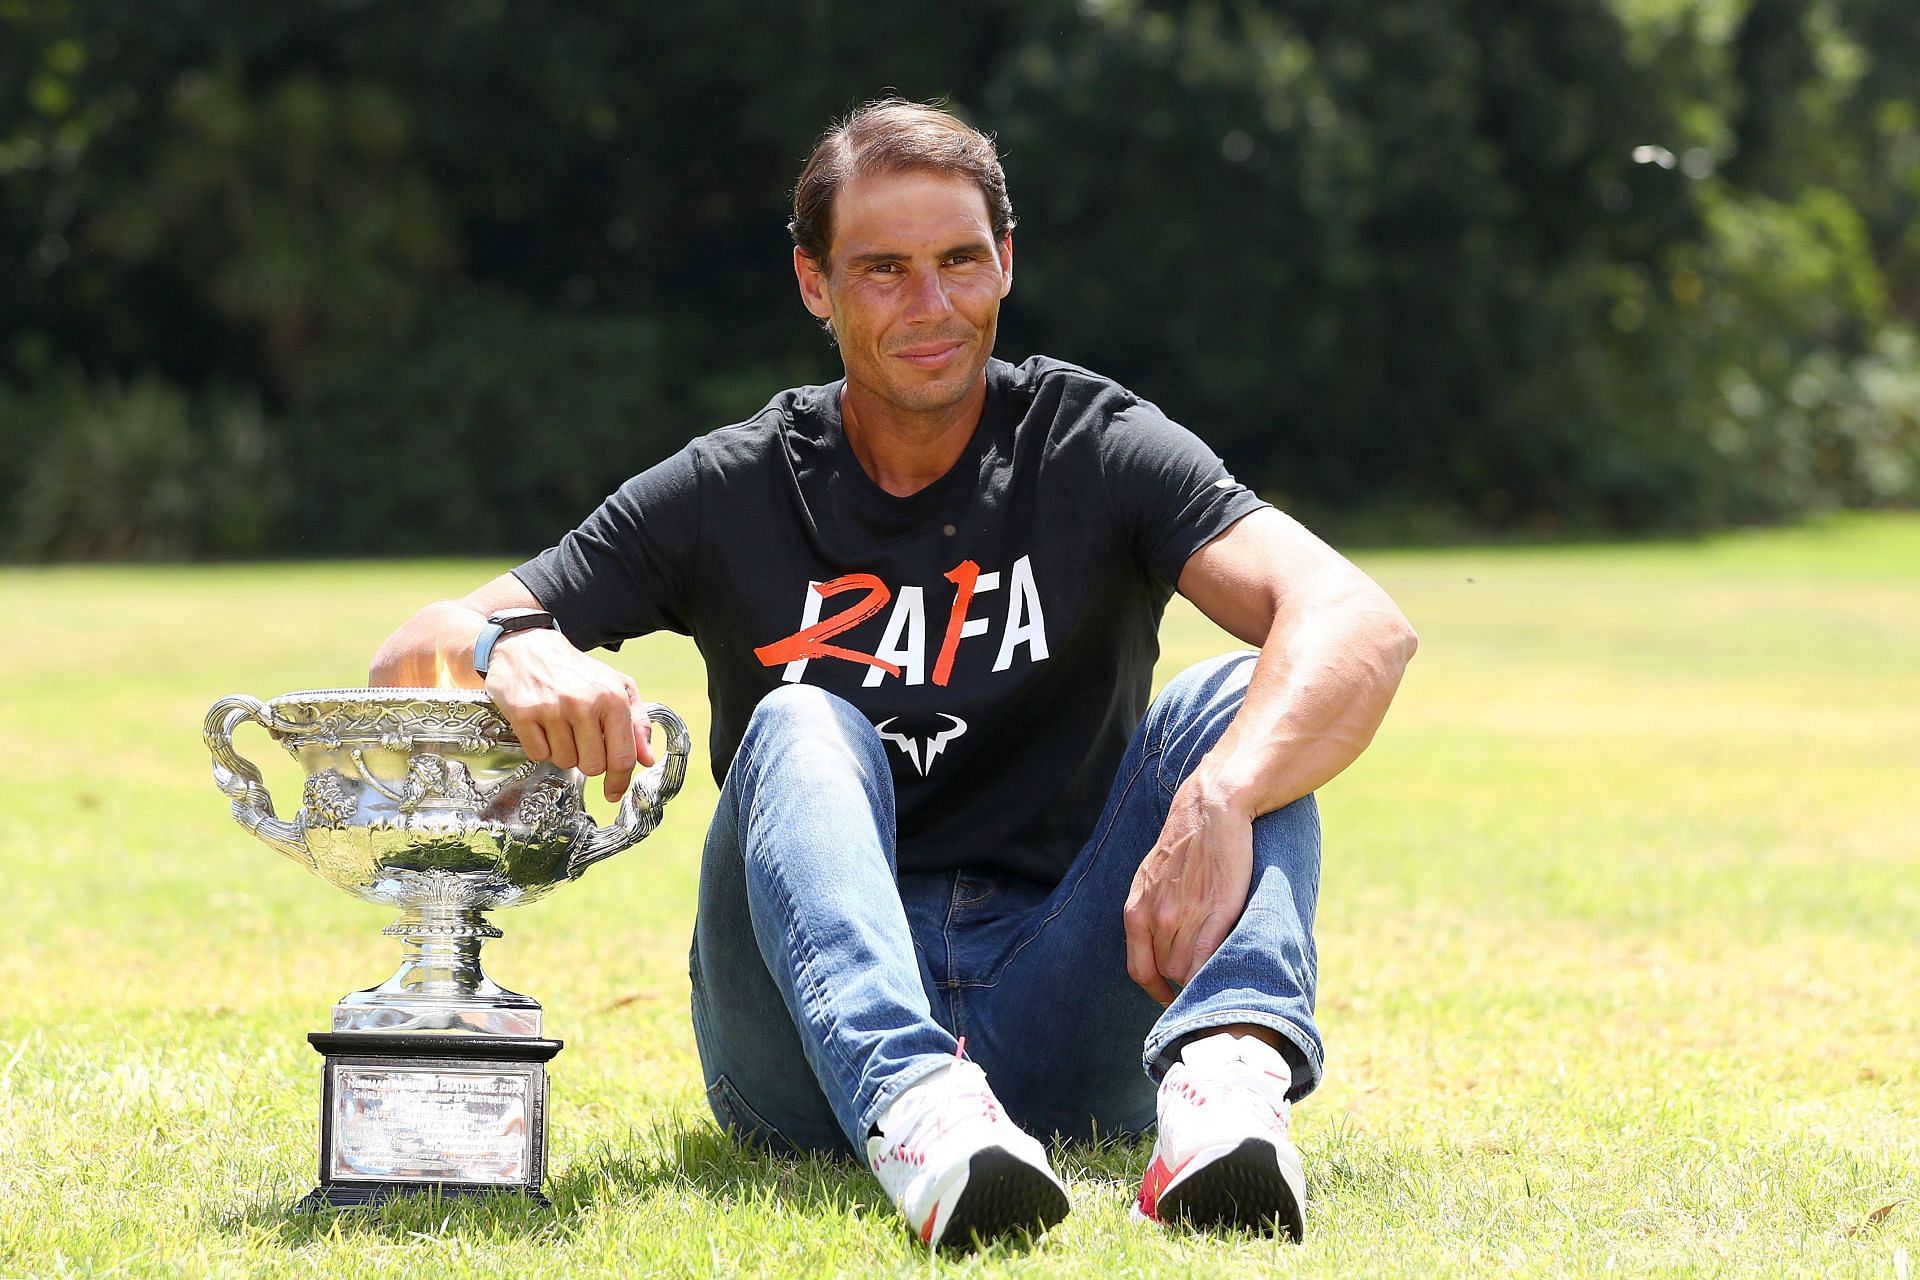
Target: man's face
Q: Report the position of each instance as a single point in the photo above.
(912, 286)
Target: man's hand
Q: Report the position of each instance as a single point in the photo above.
(1191, 887)
(563, 705)
(569, 708)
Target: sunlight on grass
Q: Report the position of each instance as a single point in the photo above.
(1619, 944)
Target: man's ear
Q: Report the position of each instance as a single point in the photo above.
(1006, 264)
(812, 277)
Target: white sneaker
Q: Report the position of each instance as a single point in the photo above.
(957, 1167)
(1222, 1157)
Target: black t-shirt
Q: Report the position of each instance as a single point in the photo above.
(998, 627)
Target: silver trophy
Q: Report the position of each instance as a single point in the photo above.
(423, 800)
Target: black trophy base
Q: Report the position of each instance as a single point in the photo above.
(371, 1195)
(460, 1116)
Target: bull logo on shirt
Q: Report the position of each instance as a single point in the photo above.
(920, 750)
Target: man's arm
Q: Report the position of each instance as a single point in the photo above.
(1332, 649)
(435, 646)
(563, 705)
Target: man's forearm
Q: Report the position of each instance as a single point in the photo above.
(432, 649)
(1318, 693)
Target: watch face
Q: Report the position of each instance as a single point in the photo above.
(520, 619)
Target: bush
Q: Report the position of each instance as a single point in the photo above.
(1575, 265)
(501, 428)
(110, 472)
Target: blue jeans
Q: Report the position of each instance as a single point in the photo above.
(824, 982)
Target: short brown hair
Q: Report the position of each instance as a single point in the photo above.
(893, 135)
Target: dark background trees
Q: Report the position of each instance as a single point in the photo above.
(405, 277)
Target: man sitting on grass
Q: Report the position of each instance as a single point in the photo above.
(964, 884)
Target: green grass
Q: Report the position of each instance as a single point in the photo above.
(1620, 941)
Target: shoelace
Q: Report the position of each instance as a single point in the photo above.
(926, 1114)
(1197, 1085)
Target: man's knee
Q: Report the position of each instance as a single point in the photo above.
(1298, 824)
(1218, 679)
(797, 707)
(1197, 705)
(798, 714)
(801, 733)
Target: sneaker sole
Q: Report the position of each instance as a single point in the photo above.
(1004, 1196)
(1244, 1188)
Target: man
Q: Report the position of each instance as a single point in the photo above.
(954, 844)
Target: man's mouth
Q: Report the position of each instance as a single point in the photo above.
(930, 355)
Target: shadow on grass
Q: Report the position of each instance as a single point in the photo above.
(697, 1158)
(400, 1219)
(682, 1157)
(672, 1158)
(693, 1156)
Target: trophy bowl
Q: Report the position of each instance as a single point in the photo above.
(423, 800)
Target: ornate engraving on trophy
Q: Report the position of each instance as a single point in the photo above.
(326, 800)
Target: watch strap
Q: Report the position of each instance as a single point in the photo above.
(505, 623)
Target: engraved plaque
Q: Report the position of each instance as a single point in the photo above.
(457, 1114)
(394, 1123)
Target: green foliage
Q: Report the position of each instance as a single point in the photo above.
(295, 213)
(1814, 402)
(1574, 264)
(1398, 282)
(1444, 260)
(495, 431)
(137, 472)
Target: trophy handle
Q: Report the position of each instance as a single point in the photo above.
(645, 799)
(238, 777)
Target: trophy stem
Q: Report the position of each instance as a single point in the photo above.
(442, 956)
(440, 985)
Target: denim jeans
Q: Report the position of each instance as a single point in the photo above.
(824, 982)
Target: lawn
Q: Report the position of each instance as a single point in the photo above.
(1620, 946)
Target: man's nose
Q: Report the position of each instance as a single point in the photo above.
(927, 296)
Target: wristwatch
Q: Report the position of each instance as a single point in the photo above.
(506, 622)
